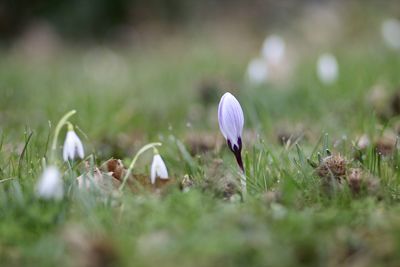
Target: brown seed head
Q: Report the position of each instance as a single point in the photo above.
(359, 179)
(333, 166)
(354, 179)
(384, 146)
(186, 184)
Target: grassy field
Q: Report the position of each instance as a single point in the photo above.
(168, 93)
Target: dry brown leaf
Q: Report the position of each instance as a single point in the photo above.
(114, 166)
(94, 178)
(137, 182)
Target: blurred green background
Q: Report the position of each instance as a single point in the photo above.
(145, 71)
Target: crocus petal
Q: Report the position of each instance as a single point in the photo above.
(220, 106)
(231, 119)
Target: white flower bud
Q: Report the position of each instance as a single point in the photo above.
(72, 146)
(158, 169)
(50, 184)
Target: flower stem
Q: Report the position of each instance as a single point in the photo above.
(239, 160)
(70, 126)
(237, 151)
(129, 171)
(238, 156)
(59, 126)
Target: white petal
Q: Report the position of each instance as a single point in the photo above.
(50, 185)
(158, 169)
(153, 172)
(162, 171)
(79, 148)
(273, 49)
(327, 68)
(257, 71)
(71, 152)
(72, 146)
(68, 148)
(65, 152)
(391, 33)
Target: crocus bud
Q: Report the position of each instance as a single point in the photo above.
(327, 68)
(72, 146)
(231, 121)
(50, 184)
(158, 168)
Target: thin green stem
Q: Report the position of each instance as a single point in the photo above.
(70, 126)
(129, 171)
(59, 126)
(5, 180)
(155, 150)
(243, 181)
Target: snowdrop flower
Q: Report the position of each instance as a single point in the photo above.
(231, 121)
(391, 33)
(273, 49)
(72, 146)
(257, 71)
(327, 68)
(158, 168)
(50, 184)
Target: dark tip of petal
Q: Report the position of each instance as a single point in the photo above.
(238, 157)
(237, 151)
(230, 146)
(240, 143)
(235, 148)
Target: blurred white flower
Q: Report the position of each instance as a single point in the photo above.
(158, 169)
(50, 184)
(273, 49)
(72, 146)
(257, 71)
(327, 68)
(363, 142)
(391, 33)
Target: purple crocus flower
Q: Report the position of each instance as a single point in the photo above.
(231, 121)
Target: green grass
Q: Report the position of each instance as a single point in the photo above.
(151, 94)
